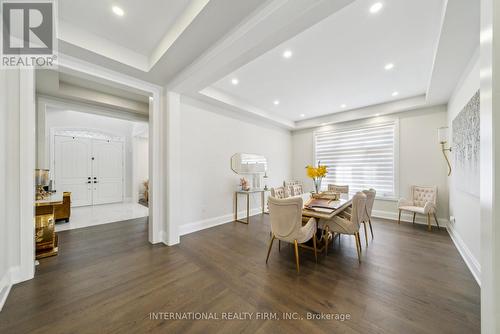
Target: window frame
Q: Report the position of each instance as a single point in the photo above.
(364, 124)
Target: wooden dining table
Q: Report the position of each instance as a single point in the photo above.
(334, 208)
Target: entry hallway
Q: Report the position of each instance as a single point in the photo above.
(108, 278)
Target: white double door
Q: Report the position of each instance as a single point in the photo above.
(91, 169)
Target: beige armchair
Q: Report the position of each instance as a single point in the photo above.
(338, 189)
(423, 201)
(278, 192)
(286, 224)
(367, 219)
(349, 222)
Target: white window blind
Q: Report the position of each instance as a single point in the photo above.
(361, 157)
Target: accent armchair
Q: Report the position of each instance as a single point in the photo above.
(423, 201)
(286, 225)
(349, 222)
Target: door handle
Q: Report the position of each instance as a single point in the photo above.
(94, 181)
(89, 181)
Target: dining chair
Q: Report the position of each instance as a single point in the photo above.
(297, 190)
(367, 218)
(423, 201)
(286, 225)
(338, 189)
(349, 222)
(278, 192)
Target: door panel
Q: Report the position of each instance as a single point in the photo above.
(107, 170)
(72, 168)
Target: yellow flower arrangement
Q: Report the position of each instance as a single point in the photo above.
(317, 174)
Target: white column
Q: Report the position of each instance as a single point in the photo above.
(172, 138)
(490, 166)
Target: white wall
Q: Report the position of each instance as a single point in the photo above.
(141, 166)
(208, 141)
(420, 159)
(55, 118)
(465, 207)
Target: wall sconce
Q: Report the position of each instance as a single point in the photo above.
(443, 139)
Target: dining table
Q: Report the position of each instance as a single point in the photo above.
(324, 209)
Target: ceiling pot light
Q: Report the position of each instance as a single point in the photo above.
(376, 7)
(302, 115)
(235, 81)
(118, 11)
(389, 66)
(287, 54)
(343, 105)
(276, 102)
(395, 93)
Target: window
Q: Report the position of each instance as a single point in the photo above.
(362, 157)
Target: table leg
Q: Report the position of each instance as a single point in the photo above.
(263, 205)
(236, 207)
(248, 208)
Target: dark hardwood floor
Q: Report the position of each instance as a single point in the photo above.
(107, 279)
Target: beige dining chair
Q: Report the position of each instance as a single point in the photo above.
(349, 222)
(423, 201)
(278, 192)
(338, 189)
(367, 218)
(297, 190)
(286, 225)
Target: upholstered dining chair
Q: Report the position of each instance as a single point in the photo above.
(349, 222)
(338, 189)
(423, 201)
(367, 218)
(297, 190)
(278, 192)
(286, 225)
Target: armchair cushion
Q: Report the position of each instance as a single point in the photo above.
(428, 208)
(404, 202)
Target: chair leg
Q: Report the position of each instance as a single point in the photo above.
(429, 222)
(366, 234)
(269, 250)
(435, 218)
(414, 214)
(358, 246)
(279, 245)
(315, 249)
(297, 255)
(399, 217)
(370, 223)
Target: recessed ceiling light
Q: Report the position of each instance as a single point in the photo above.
(395, 93)
(287, 54)
(324, 124)
(276, 102)
(235, 81)
(377, 115)
(302, 115)
(118, 11)
(376, 7)
(389, 66)
(343, 105)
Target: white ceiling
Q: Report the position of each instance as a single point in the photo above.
(341, 59)
(140, 29)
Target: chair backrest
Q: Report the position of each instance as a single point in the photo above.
(358, 208)
(370, 199)
(338, 189)
(297, 190)
(278, 192)
(422, 194)
(289, 187)
(286, 217)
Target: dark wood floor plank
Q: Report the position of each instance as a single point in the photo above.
(108, 279)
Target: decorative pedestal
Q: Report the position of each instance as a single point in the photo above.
(45, 235)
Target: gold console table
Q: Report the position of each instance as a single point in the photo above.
(45, 234)
(247, 193)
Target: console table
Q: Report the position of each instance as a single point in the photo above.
(45, 235)
(248, 193)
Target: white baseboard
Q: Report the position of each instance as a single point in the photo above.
(5, 286)
(212, 222)
(407, 217)
(469, 259)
